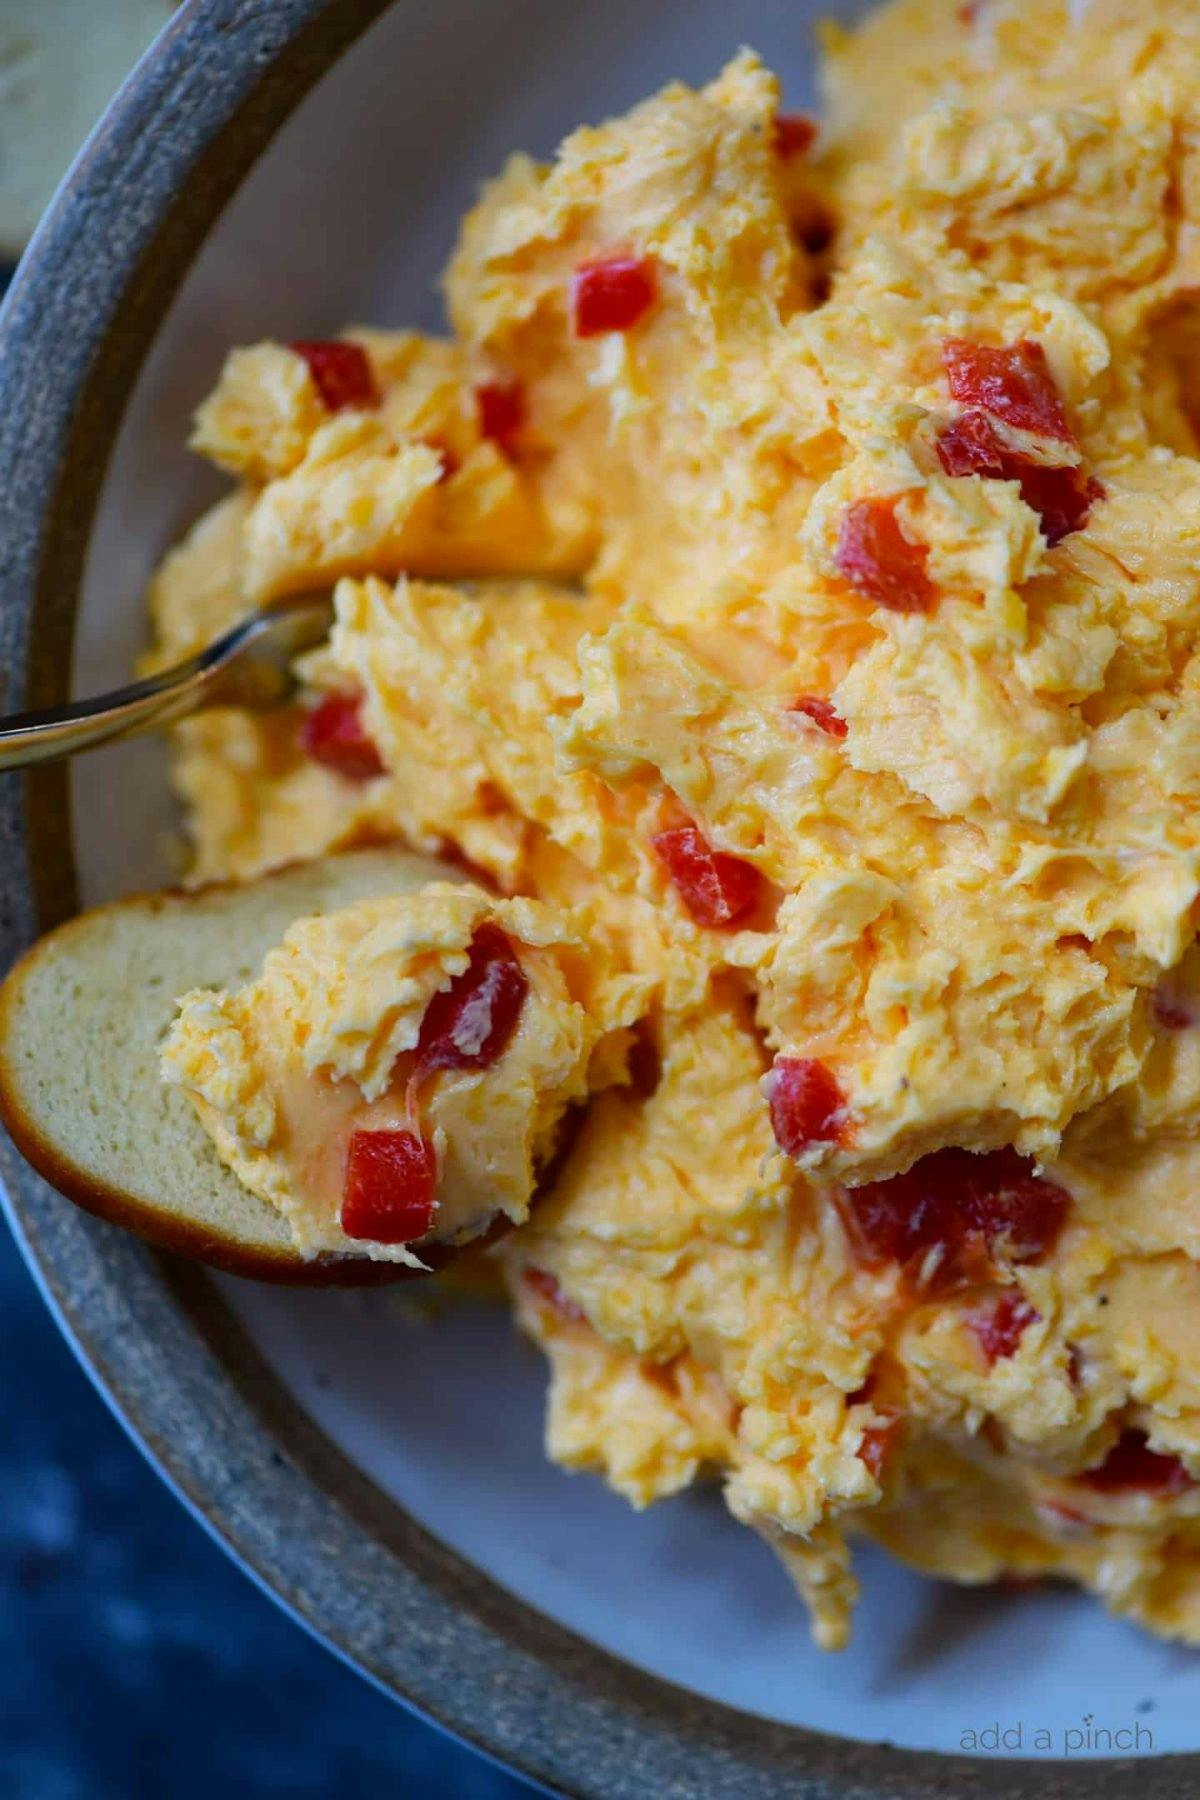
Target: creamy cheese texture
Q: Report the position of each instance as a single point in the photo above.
(784, 584)
(324, 1042)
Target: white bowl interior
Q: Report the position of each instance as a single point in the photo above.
(349, 217)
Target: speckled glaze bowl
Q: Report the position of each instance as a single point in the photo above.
(149, 262)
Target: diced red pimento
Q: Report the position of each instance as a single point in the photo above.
(334, 734)
(956, 1216)
(1132, 1467)
(469, 1024)
(611, 294)
(879, 562)
(806, 1104)
(999, 1327)
(717, 889)
(1062, 497)
(822, 712)
(877, 1441)
(794, 133)
(501, 410)
(969, 445)
(391, 1187)
(544, 1285)
(342, 372)
(1013, 383)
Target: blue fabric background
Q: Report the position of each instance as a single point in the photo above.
(135, 1659)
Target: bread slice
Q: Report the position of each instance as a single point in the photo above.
(81, 1019)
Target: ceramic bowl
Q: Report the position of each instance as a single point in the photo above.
(277, 169)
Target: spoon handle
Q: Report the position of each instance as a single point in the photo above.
(251, 665)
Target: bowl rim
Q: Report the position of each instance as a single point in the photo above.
(371, 1583)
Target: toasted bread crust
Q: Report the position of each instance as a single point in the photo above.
(159, 1225)
(170, 1231)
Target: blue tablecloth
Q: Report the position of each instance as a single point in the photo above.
(137, 1660)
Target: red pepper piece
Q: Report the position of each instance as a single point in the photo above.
(548, 1289)
(469, 1024)
(341, 371)
(877, 1441)
(807, 1105)
(822, 713)
(879, 562)
(1062, 497)
(793, 135)
(978, 1213)
(969, 445)
(716, 889)
(1013, 384)
(1132, 1466)
(611, 295)
(501, 409)
(391, 1182)
(334, 734)
(999, 1327)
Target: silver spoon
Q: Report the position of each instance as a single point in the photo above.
(250, 666)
